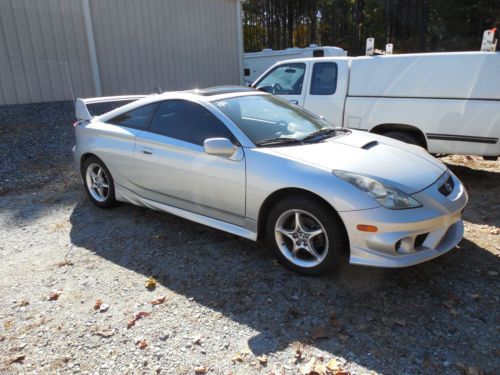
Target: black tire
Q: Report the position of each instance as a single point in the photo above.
(337, 249)
(403, 136)
(109, 200)
(490, 158)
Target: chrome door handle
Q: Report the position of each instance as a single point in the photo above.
(296, 102)
(147, 151)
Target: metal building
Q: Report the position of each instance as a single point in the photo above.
(109, 47)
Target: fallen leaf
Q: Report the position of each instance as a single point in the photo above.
(334, 322)
(400, 322)
(298, 355)
(319, 369)
(158, 301)
(198, 340)
(142, 344)
(64, 263)
(332, 365)
(319, 332)
(18, 359)
(262, 359)
(8, 324)
(18, 348)
(237, 358)
(151, 283)
(54, 295)
(105, 332)
(308, 368)
(200, 370)
(136, 317)
(466, 370)
(97, 304)
(475, 295)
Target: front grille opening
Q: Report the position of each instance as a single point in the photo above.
(419, 240)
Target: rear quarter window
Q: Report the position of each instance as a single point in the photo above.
(137, 118)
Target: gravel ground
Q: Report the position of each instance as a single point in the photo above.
(223, 304)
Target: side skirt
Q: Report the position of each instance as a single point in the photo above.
(125, 195)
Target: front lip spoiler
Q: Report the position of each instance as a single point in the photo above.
(367, 257)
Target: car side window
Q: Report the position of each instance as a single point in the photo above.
(136, 118)
(324, 78)
(188, 122)
(285, 79)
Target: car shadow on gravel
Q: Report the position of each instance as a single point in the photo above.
(425, 317)
(482, 186)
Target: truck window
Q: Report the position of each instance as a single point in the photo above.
(324, 78)
(285, 79)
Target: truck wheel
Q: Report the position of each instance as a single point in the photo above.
(404, 137)
(490, 158)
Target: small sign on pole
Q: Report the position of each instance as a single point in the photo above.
(489, 41)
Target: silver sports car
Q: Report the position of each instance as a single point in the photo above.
(252, 164)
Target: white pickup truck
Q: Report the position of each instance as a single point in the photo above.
(448, 103)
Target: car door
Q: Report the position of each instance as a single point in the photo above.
(116, 142)
(287, 80)
(174, 169)
(327, 90)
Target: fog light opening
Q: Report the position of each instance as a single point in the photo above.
(397, 246)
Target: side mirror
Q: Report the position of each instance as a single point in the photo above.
(219, 147)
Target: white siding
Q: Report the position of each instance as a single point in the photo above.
(140, 44)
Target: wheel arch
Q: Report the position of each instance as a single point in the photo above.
(281, 194)
(385, 128)
(87, 155)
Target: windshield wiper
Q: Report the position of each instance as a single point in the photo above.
(325, 132)
(275, 141)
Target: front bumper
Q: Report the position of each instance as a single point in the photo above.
(408, 237)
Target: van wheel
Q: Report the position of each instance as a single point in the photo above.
(306, 236)
(98, 182)
(404, 137)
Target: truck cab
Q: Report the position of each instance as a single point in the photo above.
(448, 103)
(315, 84)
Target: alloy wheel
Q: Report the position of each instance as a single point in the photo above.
(301, 238)
(97, 182)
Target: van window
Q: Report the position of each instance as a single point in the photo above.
(318, 53)
(324, 78)
(136, 118)
(285, 79)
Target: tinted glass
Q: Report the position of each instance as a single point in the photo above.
(324, 78)
(284, 80)
(187, 121)
(137, 118)
(263, 117)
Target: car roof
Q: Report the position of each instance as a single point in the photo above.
(201, 95)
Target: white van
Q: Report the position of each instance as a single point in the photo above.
(448, 103)
(256, 63)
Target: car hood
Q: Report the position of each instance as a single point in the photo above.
(406, 167)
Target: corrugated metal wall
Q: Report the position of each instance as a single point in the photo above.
(140, 44)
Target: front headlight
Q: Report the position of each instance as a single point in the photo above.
(386, 195)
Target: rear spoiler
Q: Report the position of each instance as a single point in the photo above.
(82, 112)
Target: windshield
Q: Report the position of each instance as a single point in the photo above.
(266, 117)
